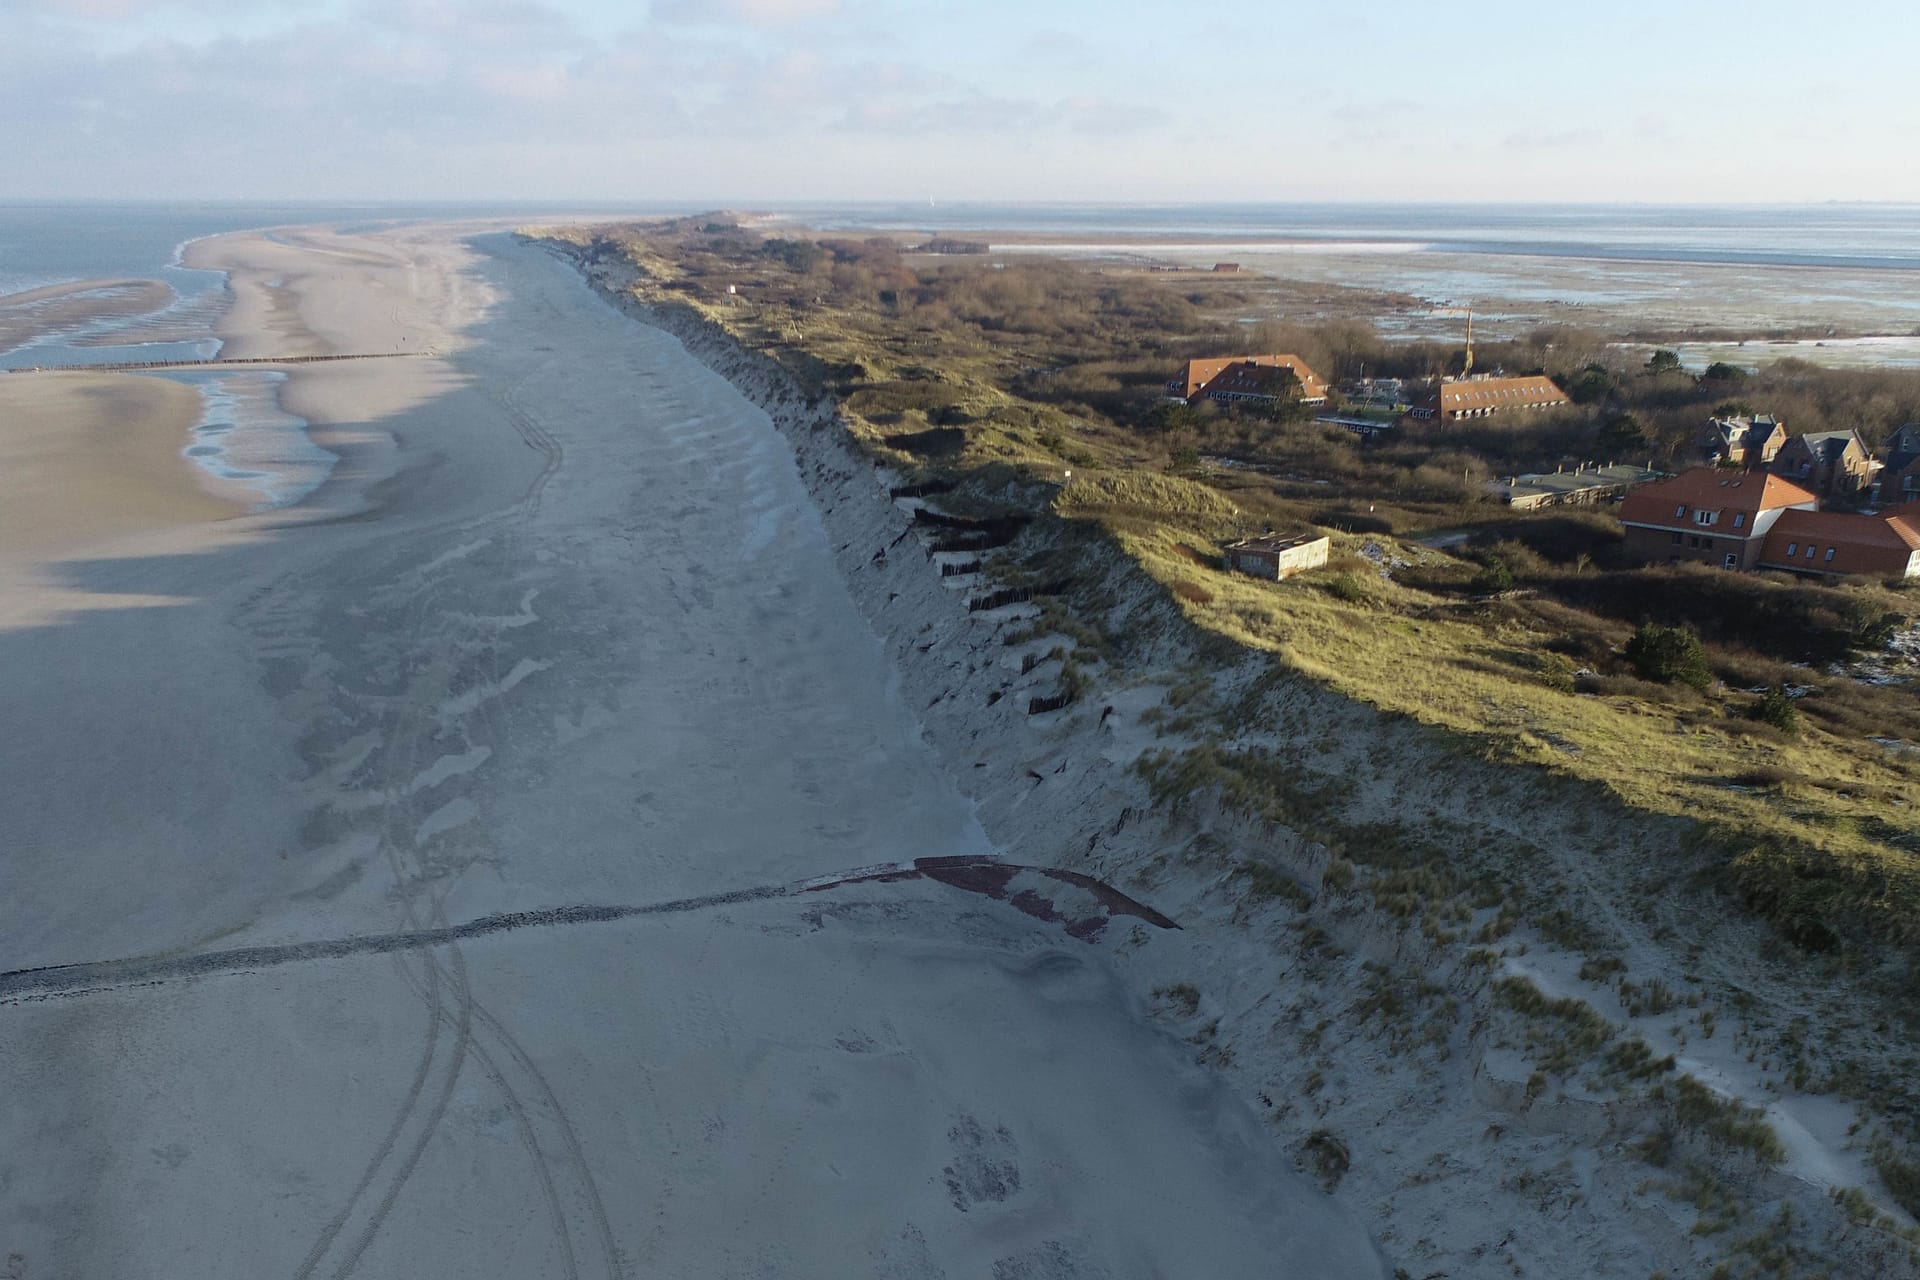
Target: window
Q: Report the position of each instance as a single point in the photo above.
(1707, 543)
(1693, 542)
(1809, 551)
(1679, 511)
(1792, 547)
(1732, 561)
(1739, 518)
(1829, 553)
(1676, 539)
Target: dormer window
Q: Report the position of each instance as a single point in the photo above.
(1705, 517)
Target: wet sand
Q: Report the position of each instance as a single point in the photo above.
(91, 456)
(57, 308)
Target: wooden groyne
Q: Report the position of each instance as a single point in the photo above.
(140, 366)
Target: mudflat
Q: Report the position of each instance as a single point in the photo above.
(32, 312)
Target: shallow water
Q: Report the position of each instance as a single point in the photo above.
(249, 448)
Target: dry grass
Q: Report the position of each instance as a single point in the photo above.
(1806, 853)
(1813, 824)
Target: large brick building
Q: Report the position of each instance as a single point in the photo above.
(1481, 397)
(1709, 515)
(1231, 379)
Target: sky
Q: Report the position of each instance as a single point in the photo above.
(764, 101)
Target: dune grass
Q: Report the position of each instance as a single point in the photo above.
(938, 383)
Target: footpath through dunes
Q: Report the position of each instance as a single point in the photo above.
(584, 643)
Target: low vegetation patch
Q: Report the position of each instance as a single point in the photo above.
(1563, 1032)
(1696, 1106)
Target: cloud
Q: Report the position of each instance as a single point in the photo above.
(455, 99)
(751, 12)
(1549, 139)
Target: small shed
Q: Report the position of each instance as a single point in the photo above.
(1275, 557)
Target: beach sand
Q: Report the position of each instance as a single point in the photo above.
(564, 628)
(92, 456)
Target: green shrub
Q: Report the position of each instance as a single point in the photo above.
(1494, 577)
(1774, 707)
(1344, 586)
(1670, 655)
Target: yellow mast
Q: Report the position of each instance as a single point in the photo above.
(1468, 313)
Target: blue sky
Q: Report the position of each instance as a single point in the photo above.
(760, 101)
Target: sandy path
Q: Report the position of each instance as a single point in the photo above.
(562, 629)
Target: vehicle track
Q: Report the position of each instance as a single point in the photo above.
(535, 437)
(588, 1190)
(401, 761)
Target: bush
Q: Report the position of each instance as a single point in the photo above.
(1669, 655)
(1774, 707)
(1494, 577)
(1344, 586)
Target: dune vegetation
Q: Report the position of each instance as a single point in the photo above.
(1033, 387)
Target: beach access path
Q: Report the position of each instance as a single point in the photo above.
(561, 643)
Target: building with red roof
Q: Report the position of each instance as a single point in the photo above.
(1710, 515)
(1483, 396)
(1838, 544)
(1228, 379)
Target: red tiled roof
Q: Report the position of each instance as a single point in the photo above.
(1201, 372)
(1711, 489)
(1839, 542)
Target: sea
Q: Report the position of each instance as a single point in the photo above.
(1835, 283)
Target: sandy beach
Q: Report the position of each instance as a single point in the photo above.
(562, 642)
(86, 457)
